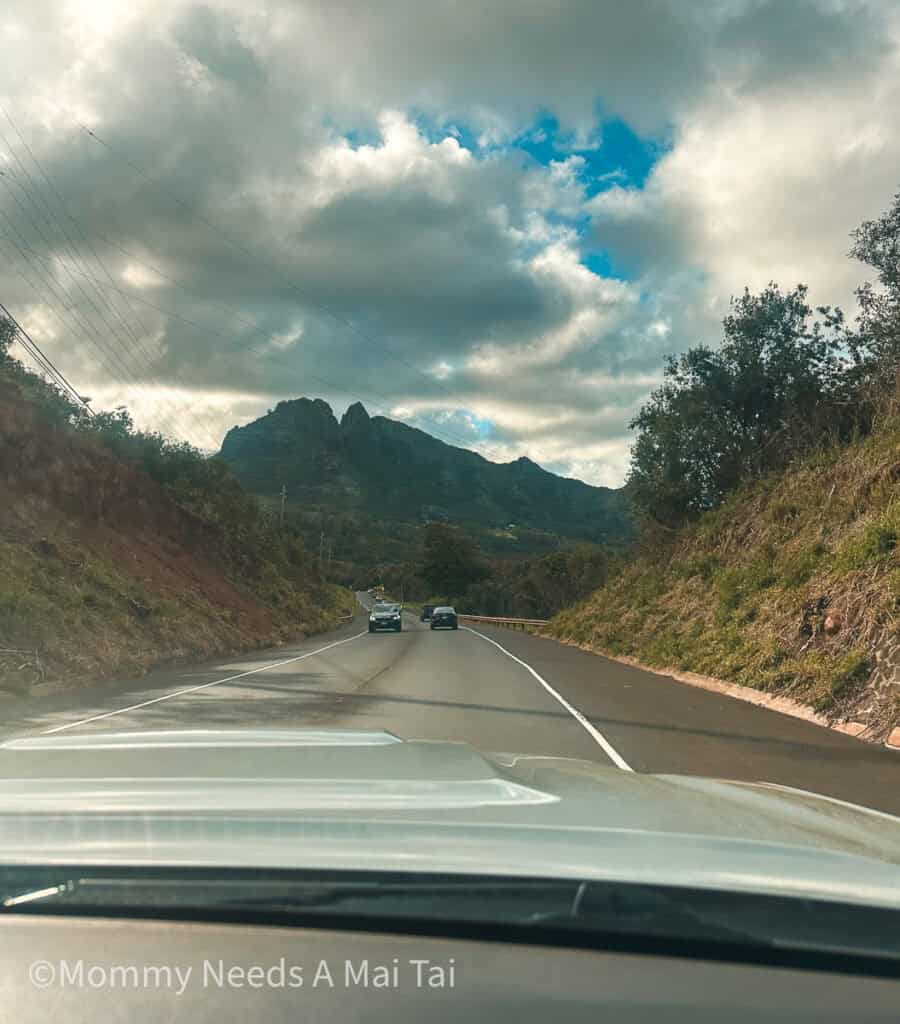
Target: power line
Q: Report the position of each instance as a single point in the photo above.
(23, 247)
(71, 246)
(189, 208)
(45, 284)
(33, 194)
(233, 312)
(166, 408)
(90, 329)
(83, 325)
(73, 250)
(78, 258)
(37, 357)
(8, 176)
(331, 385)
(34, 350)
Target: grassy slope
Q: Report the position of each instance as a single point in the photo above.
(90, 613)
(744, 594)
(102, 573)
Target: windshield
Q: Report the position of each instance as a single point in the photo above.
(452, 439)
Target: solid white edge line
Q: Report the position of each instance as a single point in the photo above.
(598, 736)
(202, 686)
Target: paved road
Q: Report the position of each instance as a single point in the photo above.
(525, 695)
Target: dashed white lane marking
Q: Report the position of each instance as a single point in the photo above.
(202, 686)
(598, 736)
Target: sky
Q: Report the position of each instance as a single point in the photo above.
(490, 220)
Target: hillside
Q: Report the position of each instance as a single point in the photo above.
(103, 571)
(791, 586)
(393, 472)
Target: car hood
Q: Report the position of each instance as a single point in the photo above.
(330, 799)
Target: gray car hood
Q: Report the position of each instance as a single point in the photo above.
(328, 799)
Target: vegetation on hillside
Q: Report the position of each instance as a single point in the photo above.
(792, 585)
(781, 384)
(767, 474)
(119, 548)
(451, 568)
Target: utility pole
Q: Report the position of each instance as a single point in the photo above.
(283, 498)
(321, 548)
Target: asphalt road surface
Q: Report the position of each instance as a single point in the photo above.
(492, 688)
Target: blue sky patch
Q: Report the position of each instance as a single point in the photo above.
(484, 428)
(599, 262)
(615, 155)
(619, 157)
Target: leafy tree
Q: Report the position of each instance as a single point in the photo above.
(877, 244)
(539, 587)
(778, 382)
(7, 337)
(451, 561)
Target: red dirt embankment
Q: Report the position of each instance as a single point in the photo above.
(101, 571)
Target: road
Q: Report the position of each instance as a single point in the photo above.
(491, 688)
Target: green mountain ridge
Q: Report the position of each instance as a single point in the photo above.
(391, 471)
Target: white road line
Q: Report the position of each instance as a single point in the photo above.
(608, 748)
(202, 686)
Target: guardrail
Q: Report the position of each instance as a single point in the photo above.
(525, 625)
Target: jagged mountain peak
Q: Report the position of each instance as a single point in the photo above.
(355, 416)
(388, 470)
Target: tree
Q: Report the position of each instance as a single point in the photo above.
(7, 337)
(451, 561)
(877, 244)
(775, 385)
(540, 587)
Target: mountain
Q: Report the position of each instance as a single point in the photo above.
(391, 471)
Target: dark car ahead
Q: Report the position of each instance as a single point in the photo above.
(427, 612)
(385, 616)
(444, 617)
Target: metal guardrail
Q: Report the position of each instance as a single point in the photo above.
(500, 620)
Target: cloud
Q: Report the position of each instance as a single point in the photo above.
(352, 200)
(769, 174)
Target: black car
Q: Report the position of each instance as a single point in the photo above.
(445, 617)
(385, 616)
(427, 610)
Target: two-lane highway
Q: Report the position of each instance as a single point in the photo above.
(493, 689)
